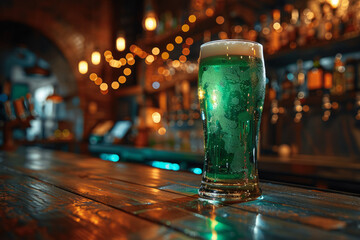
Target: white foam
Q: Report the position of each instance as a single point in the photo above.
(231, 47)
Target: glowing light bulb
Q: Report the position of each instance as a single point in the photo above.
(120, 43)
(95, 58)
(83, 67)
(150, 22)
(156, 117)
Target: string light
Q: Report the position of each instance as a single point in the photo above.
(220, 20)
(127, 71)
(104, 87)
(131, 62)
(185, 28)
(122, 79)
(186, 51)
(93, 76)
(178, 39)
(175, 63)
(192, 18)
(129, 56)
(98, 81)
(209, 12)
(107, 53)
(149, 59)
(123, 61)
(115, 85)
(189, 41)
(182, 58)
(155, 51)
(165, 55)
(170, 47)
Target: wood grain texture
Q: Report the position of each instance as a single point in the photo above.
(168, 200)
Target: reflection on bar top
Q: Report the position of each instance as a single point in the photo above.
(231, 47)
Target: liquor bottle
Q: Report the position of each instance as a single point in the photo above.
(287, 86)
(338, 76)
(350, 74)
(328, 82)
(315, 77)
(300, 80)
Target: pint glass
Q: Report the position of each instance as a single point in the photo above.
(231, 92)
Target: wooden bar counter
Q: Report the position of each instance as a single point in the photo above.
(55, 195)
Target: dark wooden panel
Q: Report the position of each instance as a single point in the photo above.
(33, 209)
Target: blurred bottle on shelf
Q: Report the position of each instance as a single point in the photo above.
(300, 80)
(338, 87)
(315, 77)
(351, 74)
(287, 86)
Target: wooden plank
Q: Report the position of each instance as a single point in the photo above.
(127, 188)
(33, 209)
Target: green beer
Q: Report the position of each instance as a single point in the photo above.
(231, 94)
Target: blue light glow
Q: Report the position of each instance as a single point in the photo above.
(290, 76)
(166, 165)
(110, 157)
(156, 85)
(196, 170)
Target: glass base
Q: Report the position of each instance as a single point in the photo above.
(229, 192)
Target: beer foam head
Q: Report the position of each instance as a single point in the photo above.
(231, 47)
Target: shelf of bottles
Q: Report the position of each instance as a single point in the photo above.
(298, 85)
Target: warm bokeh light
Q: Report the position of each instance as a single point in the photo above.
(156, 117)
(192, 18)
(93, 76)
(161, 70)
(334, 3)
(107, 53)
(104, 87)
(133, 48)
(149, 59)
(276, 26)
(122, 79)
(186, 51)
(150, 22)
(108, 58)
(129, 56)
(170, 47)
(95, 57)
(155, 51)
(182, 58)
(220, 20)
(178, 39)
(115, 85)
(123, 61)
(83, 67)
(175, 63)
(209, 12)
(120, 43)
(104, 92)
(223, 35)
(189, 41)
(131, 62)
(185, 28)
(162, 131)
(127, 71)
(98, 81)
(165, 55)
(143, 54)
(201, 94)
